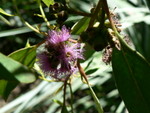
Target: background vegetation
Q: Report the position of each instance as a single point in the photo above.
(42, 96)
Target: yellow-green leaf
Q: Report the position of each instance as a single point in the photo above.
(11, 73)
(13, 70)
(26, 56)
(48, 2)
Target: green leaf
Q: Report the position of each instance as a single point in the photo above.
(58, 102)
(7, 82)
(3, 12)
(6, 87)
(132, 77)
(11, 73)
(26, 56)
(13, 70)
(48, 2)
(28, 43)
(98, 105)
(91, 71)
(80, 26)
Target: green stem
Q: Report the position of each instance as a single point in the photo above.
(94, 14)
(64, 96)
(26, 23)
(31, 27)
(98, 105)
(64, 109)
(102, 19)
(111, 21)
(99, 108)
(109, 17)
(43, 14)
(71, 93)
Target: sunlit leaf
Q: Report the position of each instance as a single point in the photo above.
(48, 2)
(7, 82)
(132, 76)
(3, 12)
(28, 43)
(80, 26)
(11, 70)
(58, 102)
(11, 73)
(26, 56)
(97, 103)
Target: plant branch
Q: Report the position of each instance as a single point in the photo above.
(94, 14)
(98, 105)
(105, 5)
(102, 19)
(71, 93)
(64, 96)
(26, 23)
(43, 14)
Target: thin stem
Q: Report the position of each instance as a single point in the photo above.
(95, 13)
(30, 26)
(26, 23)
(71, 93)
(98, 105)
(102, 18)
(64, 96)
(72, 40)
(105, 5)
(43, 14)
(110, 19)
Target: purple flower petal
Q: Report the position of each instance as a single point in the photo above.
(55, 37)
(58, 59)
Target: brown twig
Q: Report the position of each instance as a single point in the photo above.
(95, 13)
(82, 72)
(105, 6)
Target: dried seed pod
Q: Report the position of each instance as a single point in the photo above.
(107, 55)
(95, 38)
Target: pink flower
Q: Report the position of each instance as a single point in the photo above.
(59, 57)
(55, 37)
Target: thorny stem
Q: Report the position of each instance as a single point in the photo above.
(95, 13)
(98, 105)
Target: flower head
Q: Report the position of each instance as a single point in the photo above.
(59, 57)
(56, 37)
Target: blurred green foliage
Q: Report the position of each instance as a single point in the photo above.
(134, 17)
